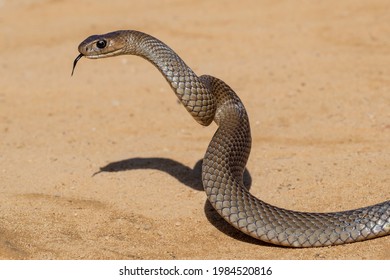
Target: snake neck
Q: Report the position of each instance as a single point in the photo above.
(192, 93)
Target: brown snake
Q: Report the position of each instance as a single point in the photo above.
(209, 99)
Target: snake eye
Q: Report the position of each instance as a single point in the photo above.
(101, 44)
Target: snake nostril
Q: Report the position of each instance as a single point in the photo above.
(101, 44)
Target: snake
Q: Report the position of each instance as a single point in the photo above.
(209, 99)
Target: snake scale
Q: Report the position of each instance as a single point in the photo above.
(209, 99)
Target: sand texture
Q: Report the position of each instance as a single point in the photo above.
(106, 164)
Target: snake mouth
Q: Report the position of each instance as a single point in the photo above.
(75, 62)
(103, 54)
(95, 56)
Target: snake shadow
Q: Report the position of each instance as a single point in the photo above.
(191, 177)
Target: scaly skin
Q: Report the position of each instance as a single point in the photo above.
(209, 99)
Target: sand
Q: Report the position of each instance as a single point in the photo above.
(106, 164)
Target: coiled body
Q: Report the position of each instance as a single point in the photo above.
(209, 99)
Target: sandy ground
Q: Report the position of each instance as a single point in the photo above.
(315, 79)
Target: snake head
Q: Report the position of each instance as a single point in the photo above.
(99, 46)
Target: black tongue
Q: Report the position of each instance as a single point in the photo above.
(75, 62)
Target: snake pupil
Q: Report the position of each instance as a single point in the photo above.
(101, 44)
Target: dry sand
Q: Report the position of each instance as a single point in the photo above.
(315, 79)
